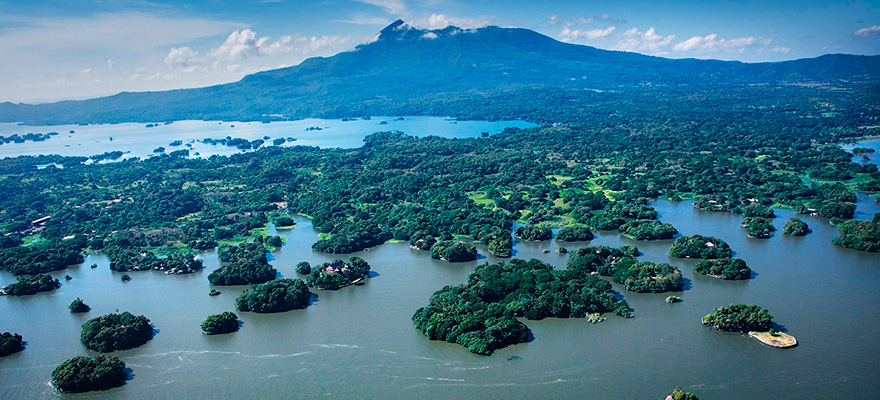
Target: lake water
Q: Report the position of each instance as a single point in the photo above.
(140, 141)
(873, 158)
(359, 342)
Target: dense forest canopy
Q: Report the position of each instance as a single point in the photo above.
(481, 314)
(85, 374)
(10, 343)
(724, 268)
(113, 332)
(27, 285)
(739, 318)
(278, 295)
(225, 322)
(597, 172)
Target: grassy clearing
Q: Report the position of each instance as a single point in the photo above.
(479, 197)
(32, 239)
(559, 179)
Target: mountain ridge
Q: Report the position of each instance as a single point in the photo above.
(410, 71)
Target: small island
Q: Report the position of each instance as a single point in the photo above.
(532, 233)
(574, 234)
(648, 229)
(79, 306)
(501, 247)
(795, 227)
(698, 246)
(779, 340)
(739, 318)
(450, 251)
(218, 324)
(175, 264)
(602, 260)
(113, 332)
(724, 268)
(758, 227)
(84, 374)
(339, 274)
(648, 277)
(859, 235)
(303, 268)
(246, 264)
(284, 222)
(679, 394)
(673, 299)
(10, 343)
(274, 296)
(28, 285)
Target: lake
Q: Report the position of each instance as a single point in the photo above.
(139, 141)
(359, 342)
(873, 158)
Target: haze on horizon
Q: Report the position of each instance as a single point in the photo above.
(59, 50)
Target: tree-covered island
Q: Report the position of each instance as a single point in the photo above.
(216, 324)
(648, 229)
(453, 251)
(481, 314)
(85, 374)
(724, 268)
(338, 274)
(758, 227)
(739, 318)
(698, 246)
(114, 332)
(28, 285)
(10, 343)
(244, 264)
(278, 295)
(79, 306)
(795, 227)
(859, 235)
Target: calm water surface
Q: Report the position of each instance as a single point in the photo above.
(359, 342)
(140, 141)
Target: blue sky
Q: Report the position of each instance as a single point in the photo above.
(69, 49)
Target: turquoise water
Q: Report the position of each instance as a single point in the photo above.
(139, 141)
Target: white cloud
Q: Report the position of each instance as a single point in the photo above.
(869, 31)
(86, 71)
(110, 64)
(712, 44)
(390, 6)
(308, 45)
(573, 35)
(244, 44)
(240, 45)
(645, 42)
(430, 35)
(184, 59)
(440, 21)
(280, 46)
